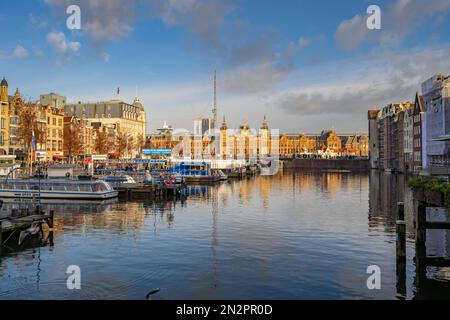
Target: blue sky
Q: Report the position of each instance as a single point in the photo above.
(308, 65)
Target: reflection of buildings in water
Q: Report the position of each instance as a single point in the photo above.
(118, 217)
(197, 192)
(331, 183)
(164, 209)
(244, 191)
(386, 190)
(214, 233)
(77, 209)
(224, 192)
(264, 190)
(73, 206)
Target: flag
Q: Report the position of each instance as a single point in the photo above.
(118, 90)
(33, 141)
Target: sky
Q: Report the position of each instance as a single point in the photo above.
(307, 65)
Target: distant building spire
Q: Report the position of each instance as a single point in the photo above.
(224, 124)
(265, 124)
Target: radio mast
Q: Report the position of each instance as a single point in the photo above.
(214, 111)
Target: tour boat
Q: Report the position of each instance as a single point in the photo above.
(219, 173)
(120, 181)
(57, 189)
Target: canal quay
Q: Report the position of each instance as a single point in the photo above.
(295, 235)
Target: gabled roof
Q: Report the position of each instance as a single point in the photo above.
(419, 103)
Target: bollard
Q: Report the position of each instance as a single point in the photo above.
(421, 219)
(51, 225)
(1, 238)
(401, 250)
(50, 220)
(421, 250)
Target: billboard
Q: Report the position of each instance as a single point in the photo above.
(156, 152)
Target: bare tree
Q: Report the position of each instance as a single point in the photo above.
(140, 144)
(132, 144)
(121, 143)
(73, 139)
(101, 145)
(29, 114)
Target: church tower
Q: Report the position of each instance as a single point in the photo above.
(224, 139)
(4, 91)
(264, 139)
(4, 118)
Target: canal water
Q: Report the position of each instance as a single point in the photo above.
(291, 236)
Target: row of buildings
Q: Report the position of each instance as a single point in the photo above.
(247, 142)
(52, 116)
(118, 129)
(413, 137)
(48, 120)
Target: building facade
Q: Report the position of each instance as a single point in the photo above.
(372, 116)
(52, 110)
(418, 115)
(436, 98)
(390, 135)
(408, 139)
(116, 117)
(86, 135)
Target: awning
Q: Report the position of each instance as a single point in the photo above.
(57, 156)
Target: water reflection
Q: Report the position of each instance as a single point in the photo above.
(298, 235)
(386, 190)
(413, 280)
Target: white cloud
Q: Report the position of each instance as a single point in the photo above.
(250, 79)
(20, 52)
(101, 20)
(105, 21)
(397, 21)
(65, 48)
(203, 19)
(303, 43)
(350, 33)
(379, 79)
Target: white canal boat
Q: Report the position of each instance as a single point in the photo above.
(57, 189)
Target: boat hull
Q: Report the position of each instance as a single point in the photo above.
(58, 195)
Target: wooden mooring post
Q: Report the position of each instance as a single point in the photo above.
(421, 249)
(401, 249)
(50, 223)
(1, 238)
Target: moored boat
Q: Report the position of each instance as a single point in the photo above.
(57, 189)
